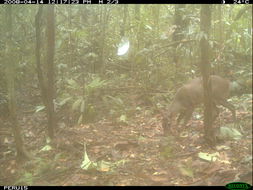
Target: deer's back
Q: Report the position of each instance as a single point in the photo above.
(192, 93)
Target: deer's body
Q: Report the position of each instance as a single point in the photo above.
(191, 95)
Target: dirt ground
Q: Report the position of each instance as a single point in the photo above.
(132, 153)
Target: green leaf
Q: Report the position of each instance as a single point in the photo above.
(26, 179)
(229, 132)
(39, 108)
(95, 83)
(58, 43)
(104, 166)
(148, 27)
(86, 163)
(187, 171)
(82, 106)
(46, 148)
(222, 147)
(76, 104)
(72, 84)
(116, 100)
(198, 116)
(92, 55)
(120, 162)
(48, 140)
(184, 134)
(81, 34)
(80, 119)
(123, 118)
(209, 157)
(138, 108)
(64, 101)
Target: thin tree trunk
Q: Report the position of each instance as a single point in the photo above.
(156, 15)
(177, 35)
(10, 76)
(123, 24)
(50, 70)
(205, 67)
(137, 10)
(220, 35)
(70, 47)
(42, 83)
(105, 19)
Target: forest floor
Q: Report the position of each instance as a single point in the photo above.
(132, 153)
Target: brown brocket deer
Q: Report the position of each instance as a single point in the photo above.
(191, 95)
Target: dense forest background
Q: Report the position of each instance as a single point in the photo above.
(83, 90)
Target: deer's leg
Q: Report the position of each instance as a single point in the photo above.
(180, 117)
(168, 122)
(165, 123)
(230, 107)
(187, 116)
(172, 123)
(215, 112)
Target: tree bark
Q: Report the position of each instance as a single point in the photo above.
(10, 76)
(50, 70)
(177, 35)
(42, 84)
(205, 67)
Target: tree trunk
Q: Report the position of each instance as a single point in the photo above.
(205, 67)
(123, 24)
(50, 70)
(220, 36)
(156, 15)
(42, 84)
(10, 76)
(70, 46)
(104, 22)
(177, 35)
